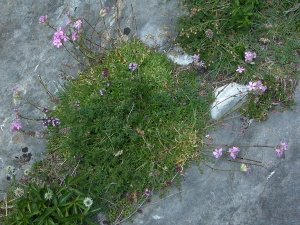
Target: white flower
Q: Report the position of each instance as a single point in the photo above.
(26, 172)
(18, 192)
(88, 202)
(10, 169)
(48, 195)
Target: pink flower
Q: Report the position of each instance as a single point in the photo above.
(59, 36)
(55, 122)
(68, 21)
(132, 66)
(43, 19)
(279, 152)
(15, 126)
(56, 42)
(77, 24)
(282, 146)
(250, 86)
(74, 36)
(233, 151)
(240, 69)
(195, 57)
(201, 64)
(249, 56)
(262, 88)
(256, 87)
(147, 192)
(218, 152)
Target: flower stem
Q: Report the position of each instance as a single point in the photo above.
(226, 145)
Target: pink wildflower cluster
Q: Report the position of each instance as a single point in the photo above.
(282, 146)
(197, 62)
(256, 87)
(249, 56)
(43, 19)
(233, 151)
(50, 120)
(77, 25)
(59, 37)
(16, 125)
(218, 152)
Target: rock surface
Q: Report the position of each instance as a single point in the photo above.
(265, 196)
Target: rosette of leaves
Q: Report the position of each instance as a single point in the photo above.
(43, 205)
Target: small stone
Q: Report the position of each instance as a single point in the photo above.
(228, 97)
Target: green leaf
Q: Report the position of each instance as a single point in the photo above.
(22, 203)
(89, 221)
(78, 192)
(34, 209)
(69, 218)
(74, 210)
(33, 190)
(65, 197)
(40, 220)
(59, 212)
(75, 180)
(68, 179)
(50, 221)
(91, 212)
(54, 200)
(61, 189)
(243, 167)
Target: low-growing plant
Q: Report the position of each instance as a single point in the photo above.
(54, 204)
(130, 122)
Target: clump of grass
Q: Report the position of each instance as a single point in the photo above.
(131, 129)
